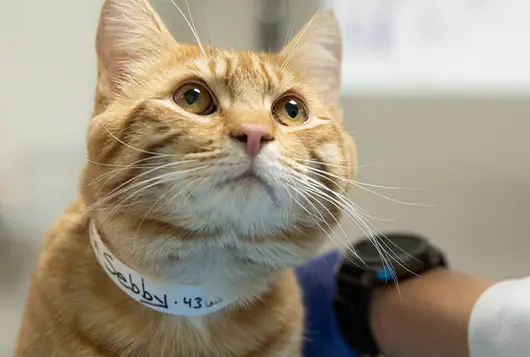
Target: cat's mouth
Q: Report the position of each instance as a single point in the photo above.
(248, 177)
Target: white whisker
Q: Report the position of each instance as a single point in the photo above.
(339, 246)
(171, 164)
(192, 28)
(348, 208)
(388, 187)
(129, 165)
(322, 219)
(327, 175)
(292, 51)
(168, 190)
(127, 145)
(209, 21)
(121, 168)
(147, 184)
(124, 187)
(294, 161)
(290, 28)
(356, 218)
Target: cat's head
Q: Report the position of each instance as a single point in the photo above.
(195, 146)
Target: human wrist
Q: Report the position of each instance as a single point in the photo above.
(424, 314)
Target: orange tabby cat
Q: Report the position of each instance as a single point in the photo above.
(210, 174)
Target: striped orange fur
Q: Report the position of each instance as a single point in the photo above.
(177, 194)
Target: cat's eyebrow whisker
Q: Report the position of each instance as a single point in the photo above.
(290, 28)
(286, 62)
(192, 27)
(208, 12)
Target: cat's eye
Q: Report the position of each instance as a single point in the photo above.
(289, 110)
(195, 98)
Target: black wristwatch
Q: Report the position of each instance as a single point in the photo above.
(363, 269)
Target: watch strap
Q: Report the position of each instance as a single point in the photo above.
(352, 306)
(356, 284)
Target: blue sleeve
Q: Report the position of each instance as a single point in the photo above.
(322, 336)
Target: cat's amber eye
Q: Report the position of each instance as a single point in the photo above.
(195, 98)
(289, 110)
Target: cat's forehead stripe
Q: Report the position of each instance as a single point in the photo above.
(221, 67)
(256, 63)
(203, 66)
(244, 74)
(233, 63)
(269, 77)
(273, 77)
(284, 77)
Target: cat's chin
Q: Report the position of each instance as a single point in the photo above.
(242, 202)
(246, 208)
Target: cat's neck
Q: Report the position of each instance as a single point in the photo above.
(215, 275)
(213, 334)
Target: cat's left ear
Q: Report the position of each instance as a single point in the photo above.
(316, 52)
(130, 35)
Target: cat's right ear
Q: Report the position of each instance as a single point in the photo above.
(316, 51)
(130, 35)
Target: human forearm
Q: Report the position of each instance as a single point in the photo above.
(427, 316)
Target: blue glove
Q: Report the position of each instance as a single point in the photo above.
(319, 285)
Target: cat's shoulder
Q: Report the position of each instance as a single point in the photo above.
(71, 228)
(67, 242)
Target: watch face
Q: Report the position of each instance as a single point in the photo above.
(402, 247)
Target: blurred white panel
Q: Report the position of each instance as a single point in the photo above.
(435, 47)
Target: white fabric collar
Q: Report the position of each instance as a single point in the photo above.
(163, 296)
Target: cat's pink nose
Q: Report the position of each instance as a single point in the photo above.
(253, 137)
